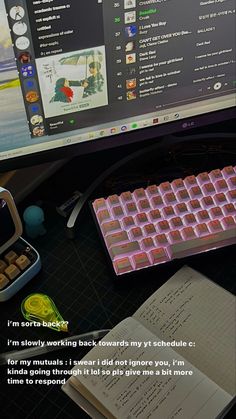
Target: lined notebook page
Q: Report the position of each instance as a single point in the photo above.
(149, 397)
(190, 307)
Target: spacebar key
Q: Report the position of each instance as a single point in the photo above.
(188, 247)
(124, 249)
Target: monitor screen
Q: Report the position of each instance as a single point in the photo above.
(77, 75)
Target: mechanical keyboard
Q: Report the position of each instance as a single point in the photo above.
(172, 220)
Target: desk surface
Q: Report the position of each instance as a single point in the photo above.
(75, 274)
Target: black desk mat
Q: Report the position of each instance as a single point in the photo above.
(75, 275)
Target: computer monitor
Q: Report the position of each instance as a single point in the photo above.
(79, 76)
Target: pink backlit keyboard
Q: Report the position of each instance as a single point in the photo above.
(172, 220)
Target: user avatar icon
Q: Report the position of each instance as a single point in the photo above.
(17, 12)
(27, 71)
(36, 119)
(131, 84)
(129, 4)
(32, 96)
(131, 95)
(24, 57)
(130, 17)
(22, 42)
(130, 46)
(131, 71)
(39, 131)
(131, 31)
(35, 108)
(130, 58)
(19, 28)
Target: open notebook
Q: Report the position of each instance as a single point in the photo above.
(188, 307)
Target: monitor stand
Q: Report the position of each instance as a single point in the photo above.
(165, 143)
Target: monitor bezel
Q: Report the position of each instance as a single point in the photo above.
(159, 131)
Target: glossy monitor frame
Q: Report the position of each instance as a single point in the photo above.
(134, 77)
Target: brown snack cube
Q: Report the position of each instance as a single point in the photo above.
(22, 262)
(3, 281)
(3, 266)
(10, 257)
(12, 271)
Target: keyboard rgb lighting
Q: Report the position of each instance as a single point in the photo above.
(172, 220)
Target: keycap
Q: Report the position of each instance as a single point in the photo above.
(113, 200)
(99, 204)
(115, 238)
(139, 193)
(228, 171)
(128, 222)
(154, 215)
(141, 218)
(188, 233)
(147, 243)
(10, 257)
(12, 271)
(126, 197)
(149, 229)
(232, 182)
(3, 281)
(183, 195)
(124, 249)
(141, 260)
(157, 202)
(165, 187)
(152, 190)
(170, 198)
(219, 198)
(131, 208)
(228, 222)
(175, 236)
(136, 233)
(200, 244)
(190, 181)
(3, 266)
(158, 255)
(194, 205)
(168, 212)
(231, 195)
(208, 189)
(163, 226)
(189, 219)
(216, 212)
(195, 192)
(207, 202)
(110, 226)
(117, 212)
(202, 229)
(215, 175)
(122, 265)
(203, 178)
(161, 240)
(103, 215)
(177, 184)
(215, 226)
(22, 262)
(176, 222)
(202, 216)
(221, 185)
(181, 209)
(229, 209)
(143, 204)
